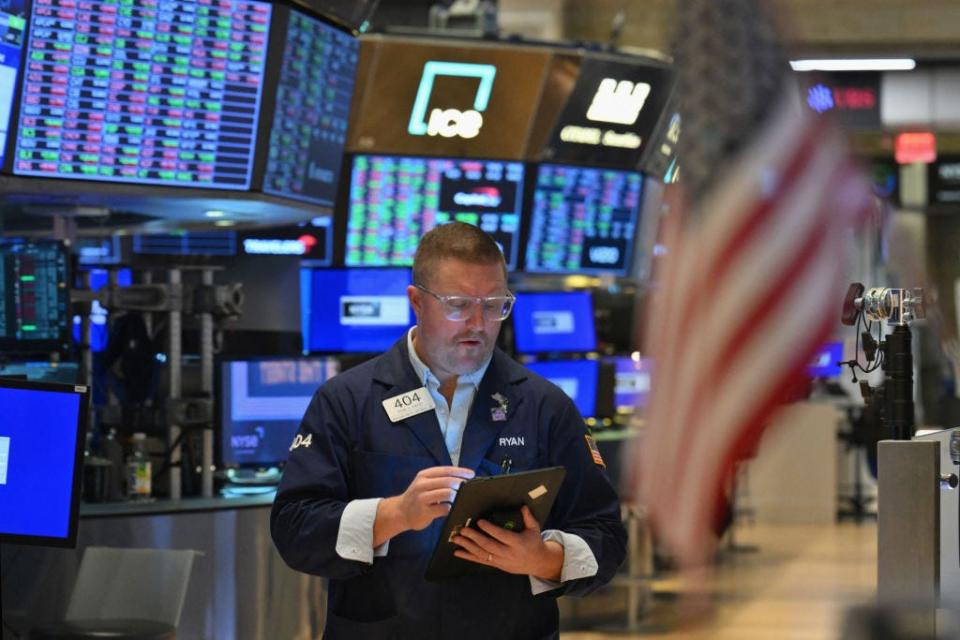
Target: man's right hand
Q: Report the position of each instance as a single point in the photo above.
(427, 498)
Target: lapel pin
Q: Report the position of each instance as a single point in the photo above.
(499, 413)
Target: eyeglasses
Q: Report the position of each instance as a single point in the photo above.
(459, 308)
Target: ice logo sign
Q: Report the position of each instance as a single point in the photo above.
(450, 123)
(618, 102)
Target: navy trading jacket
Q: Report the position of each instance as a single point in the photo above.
(356, 452)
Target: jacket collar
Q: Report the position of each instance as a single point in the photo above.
(493, 407)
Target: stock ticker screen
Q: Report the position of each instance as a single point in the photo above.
(395, 200)
(34, 297)
(147, 91)
(13, 24)
(313, 108)
(584, 220)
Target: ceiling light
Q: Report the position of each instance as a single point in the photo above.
(863, 64)
(214, 213)
(223, 223)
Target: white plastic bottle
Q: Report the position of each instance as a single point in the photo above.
(139, 469)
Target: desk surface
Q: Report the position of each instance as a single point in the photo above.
(166, 507)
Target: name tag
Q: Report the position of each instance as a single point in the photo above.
(406, 405)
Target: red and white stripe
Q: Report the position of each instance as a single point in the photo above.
(752, 288)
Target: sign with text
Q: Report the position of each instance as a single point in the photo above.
(611, 112)
(852, 98)
(442, 98)
(943, 181)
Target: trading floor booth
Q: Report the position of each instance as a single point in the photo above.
(226, 227)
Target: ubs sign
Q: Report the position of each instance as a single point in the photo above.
(449, 122)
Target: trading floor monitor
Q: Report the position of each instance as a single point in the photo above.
(42, 436)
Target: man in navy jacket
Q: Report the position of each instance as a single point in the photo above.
(383, 447)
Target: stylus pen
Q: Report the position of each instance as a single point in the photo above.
(505, 465)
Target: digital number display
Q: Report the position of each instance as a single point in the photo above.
(584, 220)
(395, 200)
(313, 110)
(147, 91)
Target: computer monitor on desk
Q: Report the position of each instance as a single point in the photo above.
(42, 436)
(261, 404)
(577, 378)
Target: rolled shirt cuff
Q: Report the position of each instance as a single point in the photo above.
(355, 535)
(578, 560)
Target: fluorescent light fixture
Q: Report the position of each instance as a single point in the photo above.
(214, 213)
(223, 223)
(851, 64)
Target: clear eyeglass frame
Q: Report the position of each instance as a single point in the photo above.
(459, 308)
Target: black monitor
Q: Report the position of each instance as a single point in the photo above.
(262, 402)
(34, 297)
(556, 321)
(42, 436)
(583, 220)
(394, 200)
(145, 93)
(312, 108)
(353, 310)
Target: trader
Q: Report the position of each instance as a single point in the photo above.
(367, 484)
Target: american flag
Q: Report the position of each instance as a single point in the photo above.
(753, 278)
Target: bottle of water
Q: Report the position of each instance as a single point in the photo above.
(139, 471)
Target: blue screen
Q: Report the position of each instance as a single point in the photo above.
(354, 310)
(577, 379)
(558, 321)
(825, 364)
(263, 402)
(631, 383)
(38, 452)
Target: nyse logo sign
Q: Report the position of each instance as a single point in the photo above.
(618, 102)
(449, 122)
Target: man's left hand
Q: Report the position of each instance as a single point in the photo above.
(521, 553)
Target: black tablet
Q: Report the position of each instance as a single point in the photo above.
(497, 499)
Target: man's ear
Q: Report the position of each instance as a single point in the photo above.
(415, 298)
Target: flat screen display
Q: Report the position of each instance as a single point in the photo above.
(13, 26)
(34, 297)
(577, 379)
(583, 220)
(187, 243)
(311, 241)
(394, 200)
(164, 93)
(631, 387)
(826, 362)
(309, 128)
(555, 321)
(354, 310)
(42, 435)
(262, 403)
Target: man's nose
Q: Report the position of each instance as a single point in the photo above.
(475, 319)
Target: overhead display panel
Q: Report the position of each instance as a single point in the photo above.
(163, 92)
(611, 112)
(395, 200)
(447, 98)
(309, 127)
(583, 220)
(13, 24)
